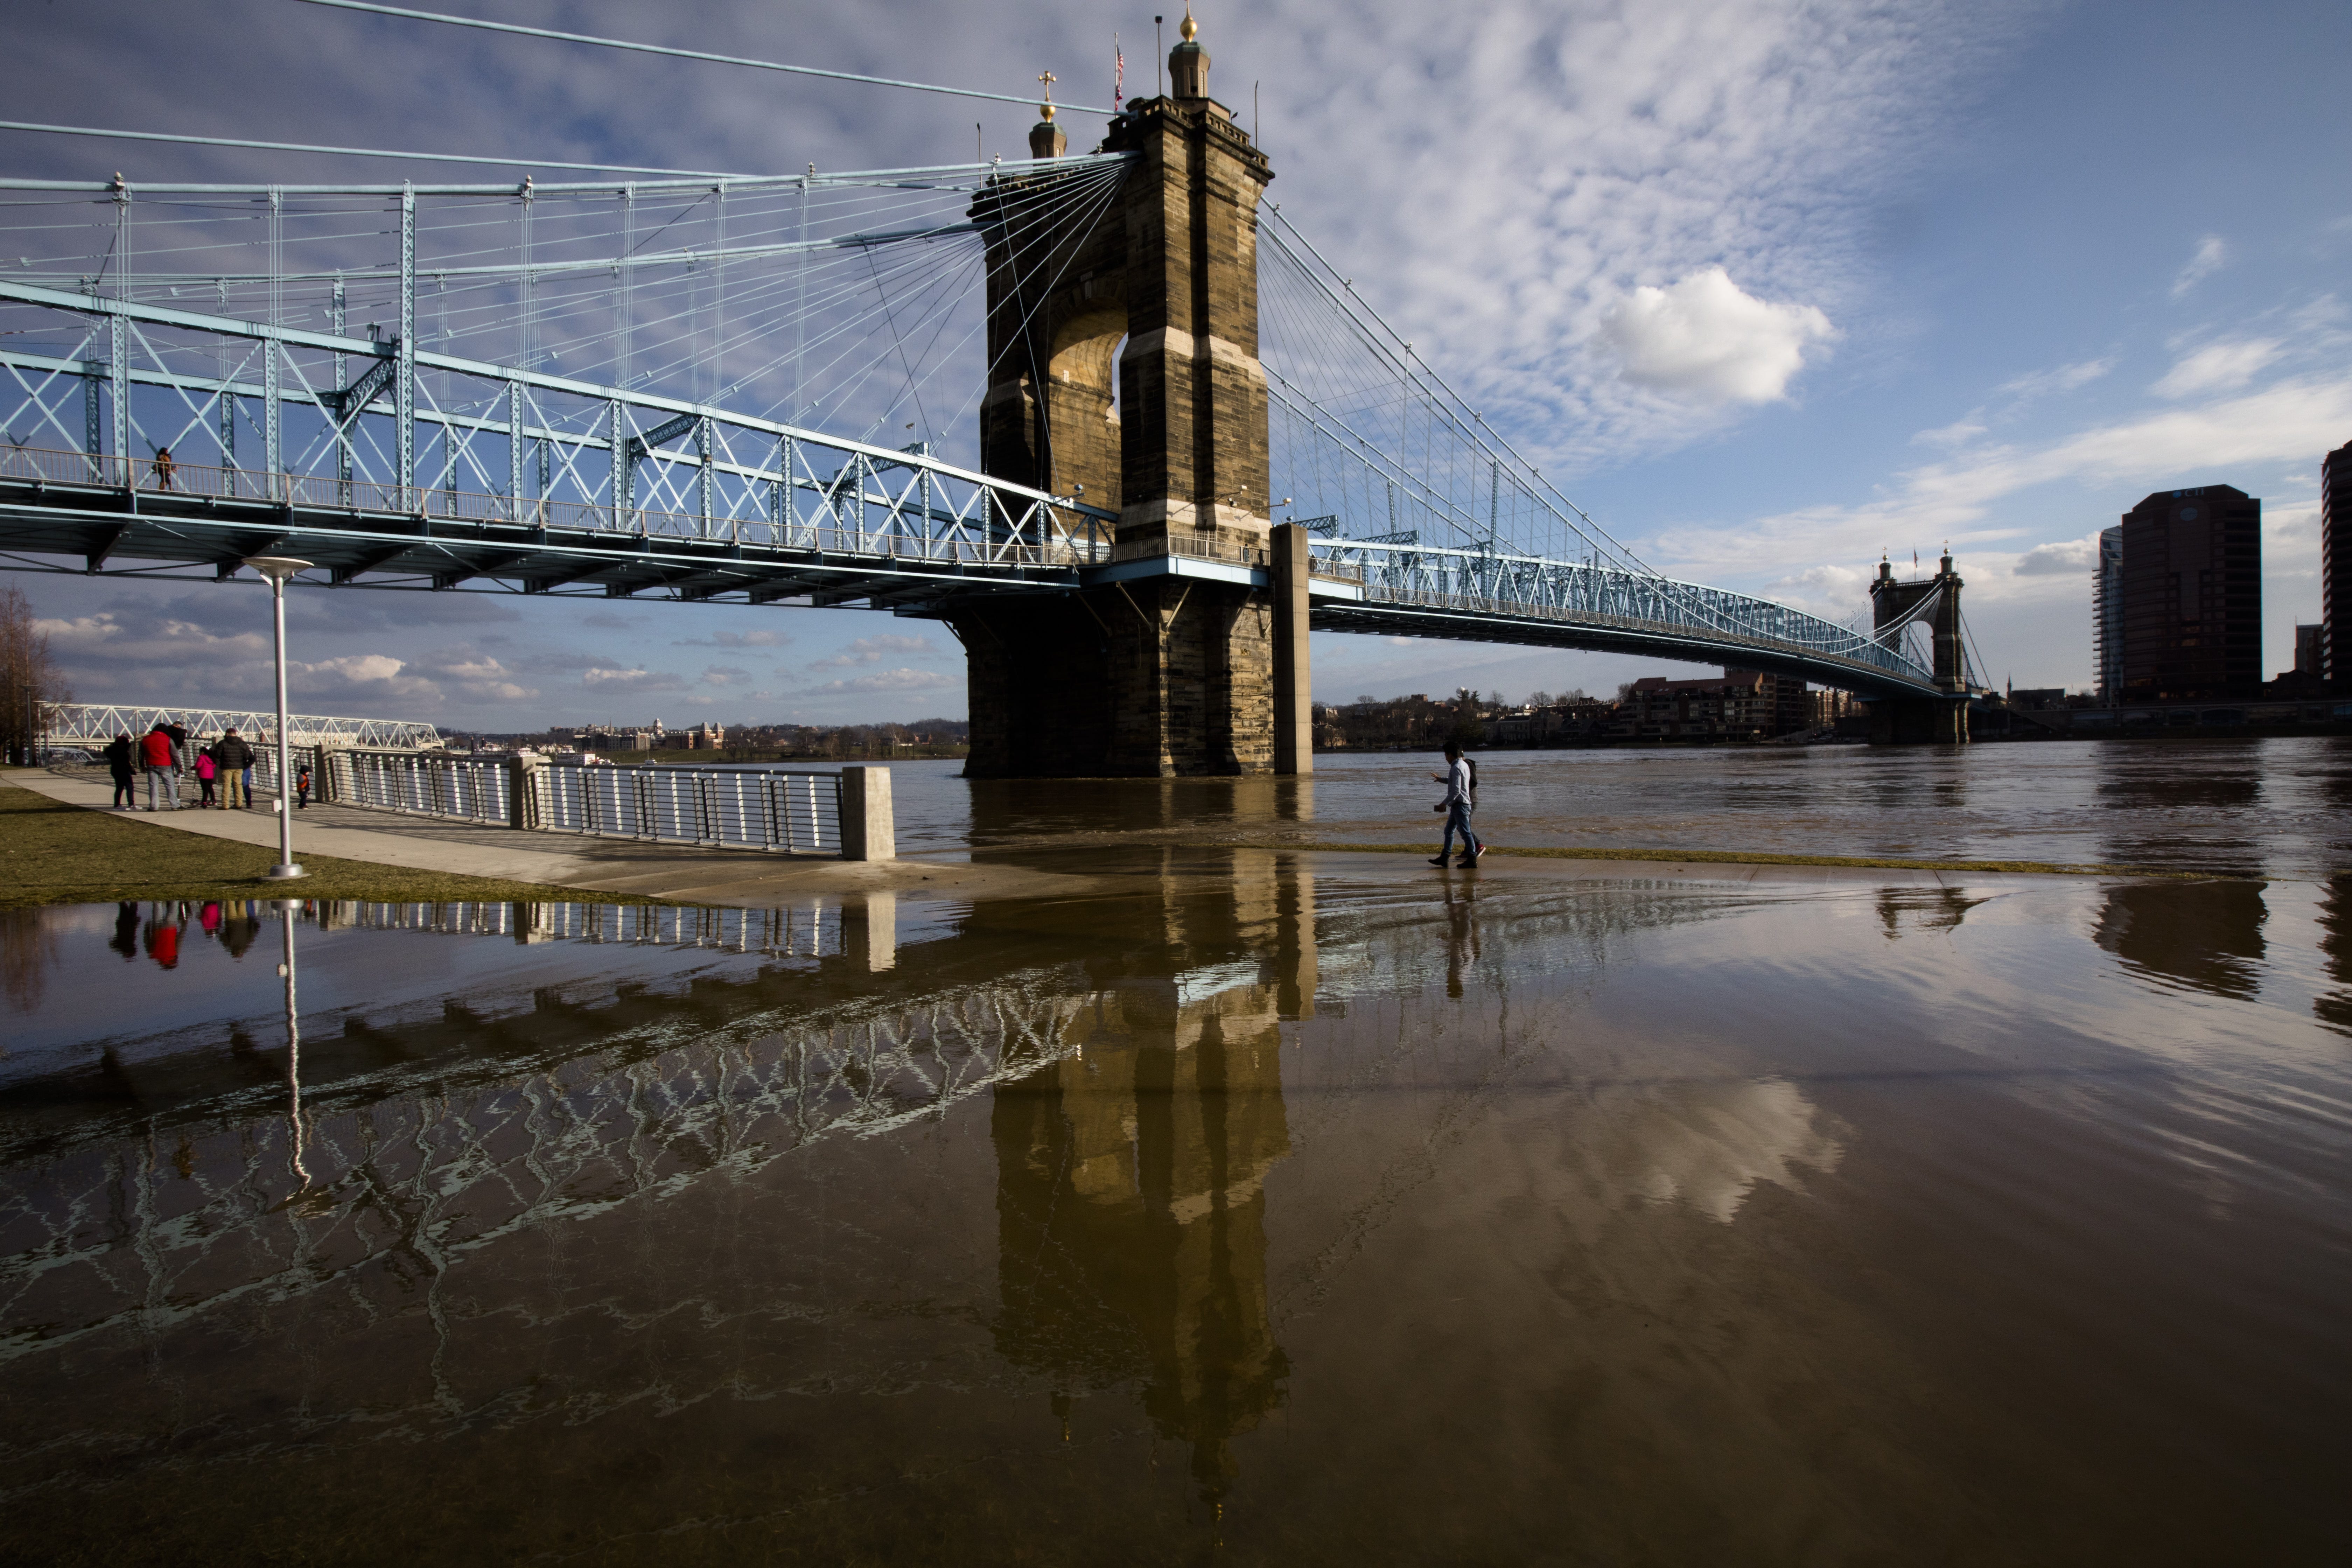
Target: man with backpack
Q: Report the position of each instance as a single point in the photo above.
(1460, 781)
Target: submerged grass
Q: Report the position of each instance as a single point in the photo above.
(1759, 858)
(53, 853)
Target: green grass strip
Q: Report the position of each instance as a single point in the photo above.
(1759, 858)
(53, 853)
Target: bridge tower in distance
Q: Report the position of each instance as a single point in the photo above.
(1934, 721)
(1124, 371)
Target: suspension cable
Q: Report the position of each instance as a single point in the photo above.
(353, 151)
(489, 26)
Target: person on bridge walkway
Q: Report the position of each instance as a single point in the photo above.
(163, 465)
(162, 763)
(235, 760)
(125, 772)
(1461, 785)
(205, 769)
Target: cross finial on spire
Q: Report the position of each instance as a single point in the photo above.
(1049, 78)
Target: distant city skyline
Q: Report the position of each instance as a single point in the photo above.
(1771, 287)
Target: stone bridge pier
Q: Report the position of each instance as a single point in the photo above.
(1124, 372)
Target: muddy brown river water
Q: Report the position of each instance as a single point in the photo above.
(1242, 1205)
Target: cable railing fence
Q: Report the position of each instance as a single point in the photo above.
(462, 788)
(787, 811)
(782, 809)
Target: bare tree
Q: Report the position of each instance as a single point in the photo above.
(30, 681)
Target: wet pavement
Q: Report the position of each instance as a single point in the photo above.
(1223, 1206)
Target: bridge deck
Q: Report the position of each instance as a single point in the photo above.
(72, 512)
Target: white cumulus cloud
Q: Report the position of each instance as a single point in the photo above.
(895, 680)
(2061, 558)
(1707, 339)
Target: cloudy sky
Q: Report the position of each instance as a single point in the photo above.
(1777, 284)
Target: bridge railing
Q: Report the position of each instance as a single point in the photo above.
(991, 529)
(1453, 579)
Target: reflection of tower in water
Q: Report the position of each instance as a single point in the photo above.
(1130, 1175)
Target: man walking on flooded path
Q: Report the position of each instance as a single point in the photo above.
(1457, 779)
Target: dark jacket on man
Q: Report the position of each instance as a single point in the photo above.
(231, 755)
(118, 757)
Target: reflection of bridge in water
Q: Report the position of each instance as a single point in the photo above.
(427, 1159)
(544, 1209)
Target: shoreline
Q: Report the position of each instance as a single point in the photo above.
(61, 847)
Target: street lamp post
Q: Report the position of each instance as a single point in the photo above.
(278, 569)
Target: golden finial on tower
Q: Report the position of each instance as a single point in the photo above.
(1190, 27)
(1047, 108)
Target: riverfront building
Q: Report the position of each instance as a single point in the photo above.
(2107, 617)
(2335, 565)
(2192, 596)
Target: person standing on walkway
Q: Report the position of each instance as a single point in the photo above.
(163, 465)
(1457, 778)
(205, 769)
(303, 786)
(163, 768)
(235, 760)
(118, 762)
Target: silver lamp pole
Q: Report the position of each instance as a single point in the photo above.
(278, 568)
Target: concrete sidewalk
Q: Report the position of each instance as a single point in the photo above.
(681, 872)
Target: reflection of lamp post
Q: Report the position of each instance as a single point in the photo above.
(286, 909)
(278, 568)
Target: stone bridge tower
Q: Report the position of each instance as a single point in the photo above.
(1942, 721)
(1123, 371)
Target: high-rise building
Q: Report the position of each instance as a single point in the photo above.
(2192, 595)
(2335, 565)
(2107, 617)
(2310, 645)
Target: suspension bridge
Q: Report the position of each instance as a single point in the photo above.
(1108, 414)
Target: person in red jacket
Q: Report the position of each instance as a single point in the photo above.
(161, 760)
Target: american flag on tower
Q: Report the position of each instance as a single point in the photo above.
(1119, 74)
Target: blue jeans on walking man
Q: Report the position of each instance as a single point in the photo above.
(1457, 820)
(167, 782)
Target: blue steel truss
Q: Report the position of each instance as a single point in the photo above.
(1404, 589)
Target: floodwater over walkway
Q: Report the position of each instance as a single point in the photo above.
(2271, 806)
(1240, 1205)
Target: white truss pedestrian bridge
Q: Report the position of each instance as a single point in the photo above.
(96, 723)
(747, 390)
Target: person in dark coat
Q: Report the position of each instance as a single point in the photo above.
(125, 772)
(233, 757)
